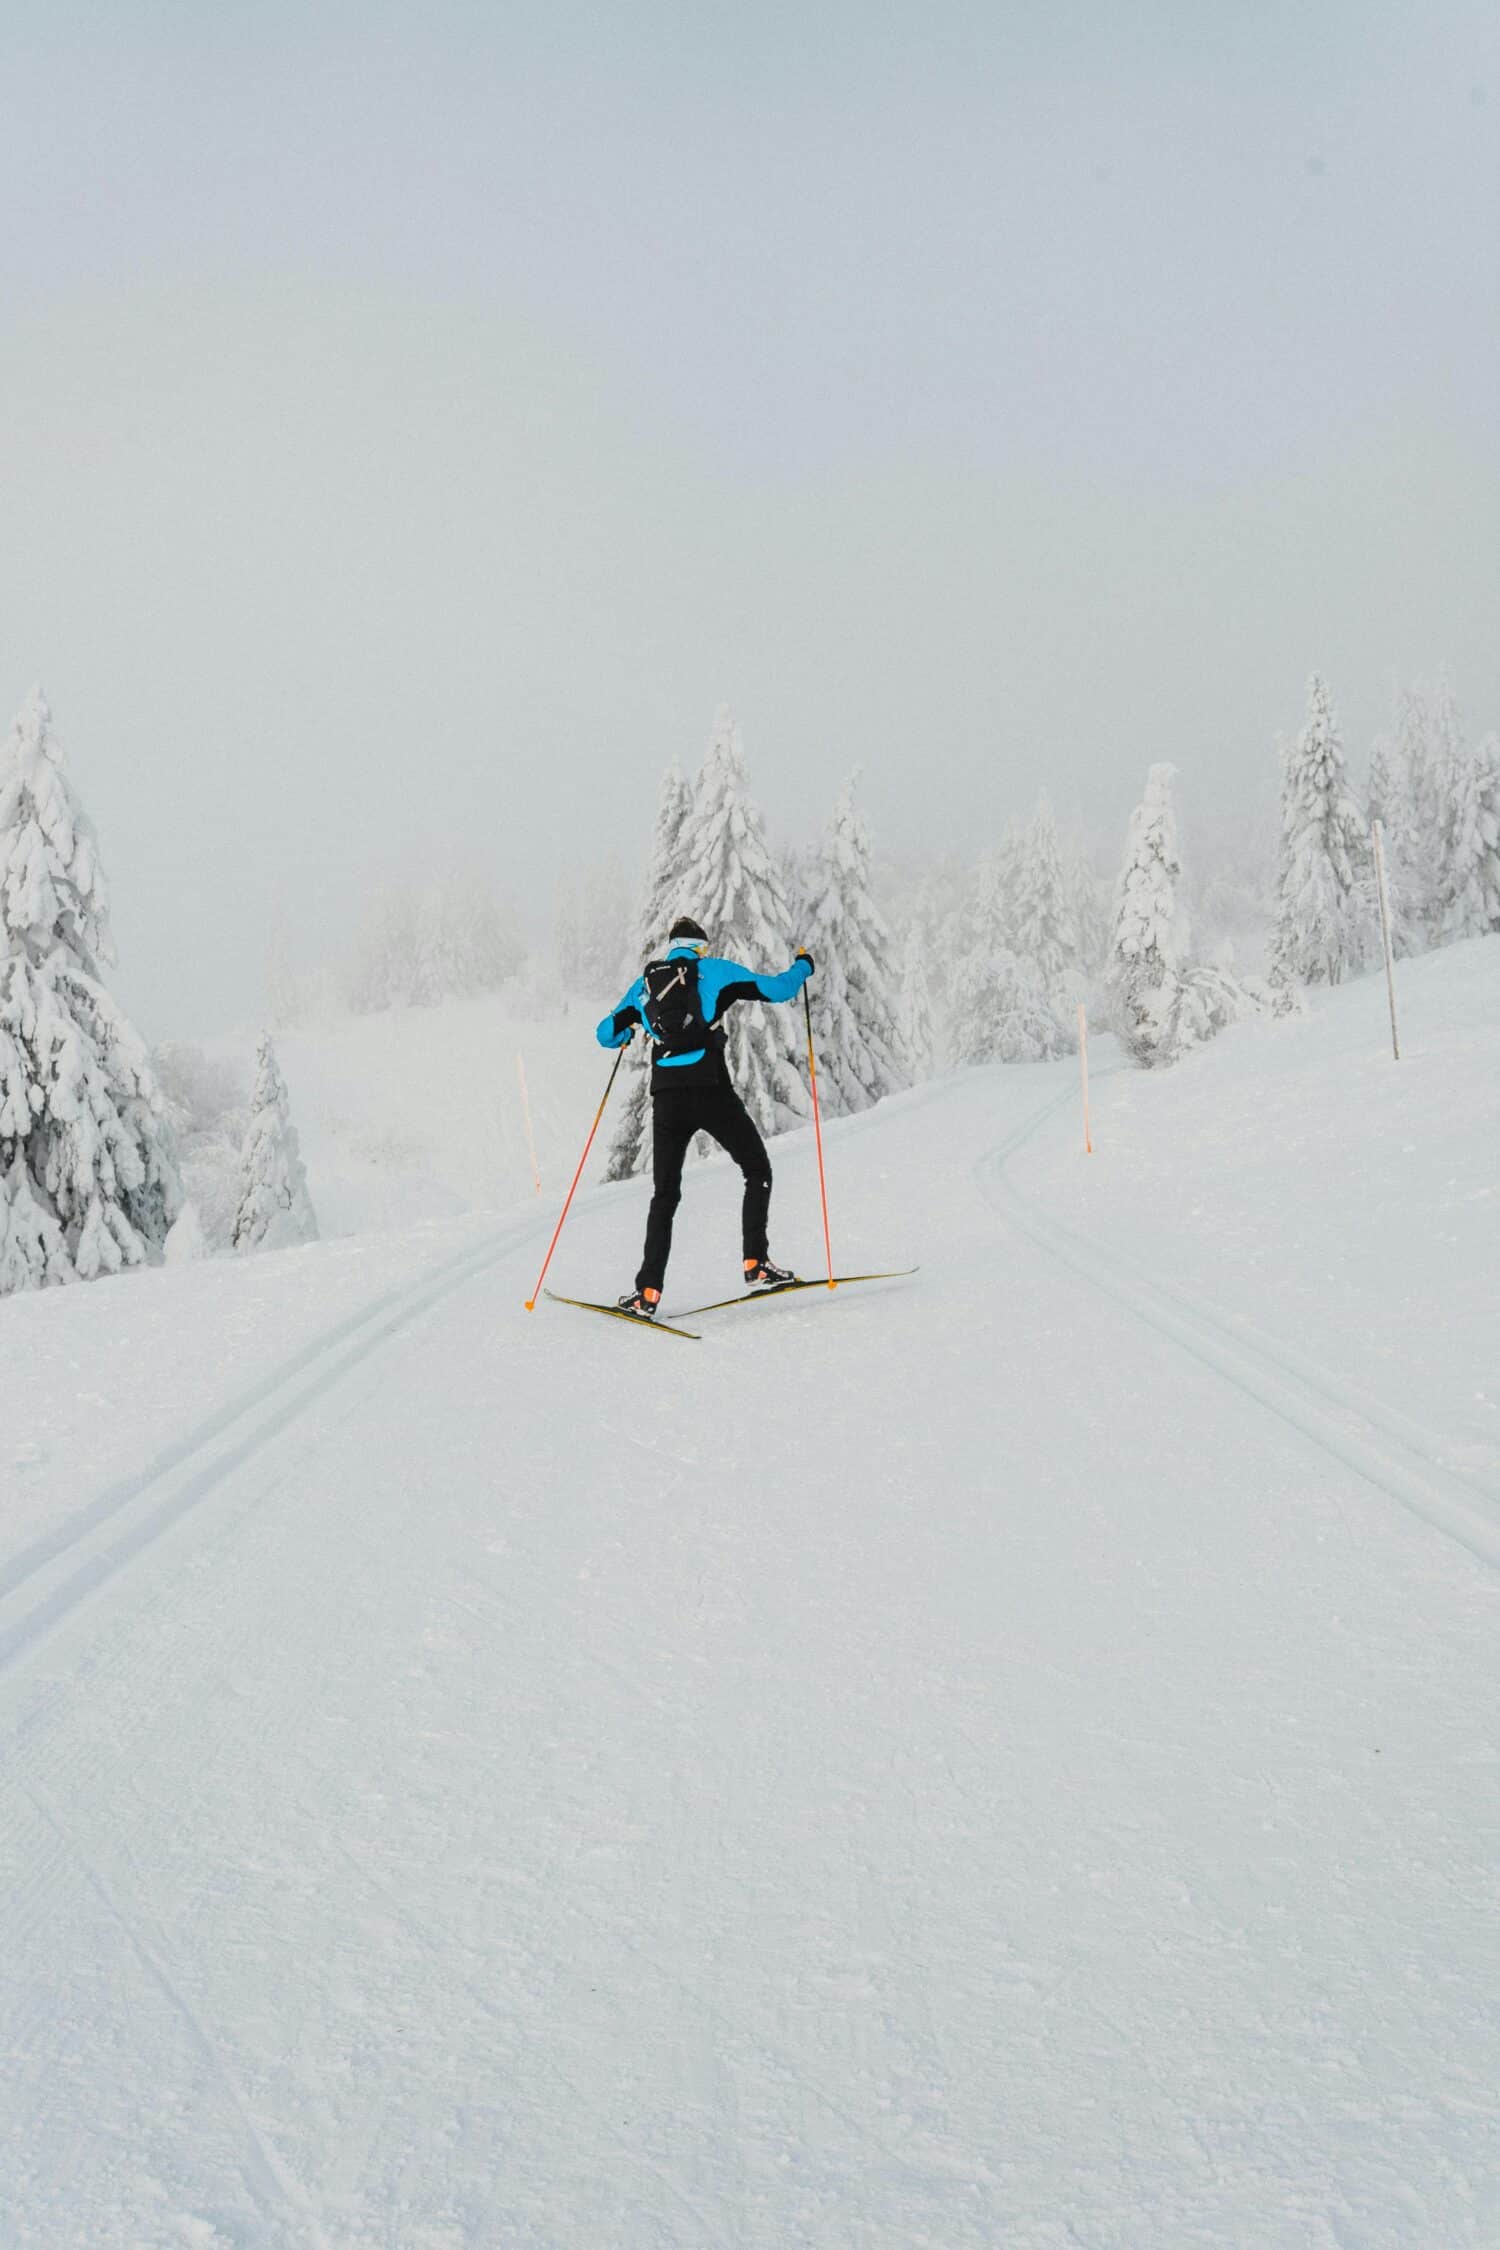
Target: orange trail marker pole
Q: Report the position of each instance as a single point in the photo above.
(577, 1176)
(1083, 1061)
(812, 1073)
(536, 1172)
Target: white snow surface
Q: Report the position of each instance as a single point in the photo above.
(1003, 1758)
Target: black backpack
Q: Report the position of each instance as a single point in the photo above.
(673, 1008)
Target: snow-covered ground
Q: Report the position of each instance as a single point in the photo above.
(1008, 1757)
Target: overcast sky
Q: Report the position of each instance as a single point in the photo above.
(413, 421)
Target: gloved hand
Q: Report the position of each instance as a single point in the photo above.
(802, 954)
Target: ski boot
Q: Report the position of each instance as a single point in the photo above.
(641, 1304)
(761, 1274)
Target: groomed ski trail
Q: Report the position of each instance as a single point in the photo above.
(937, 1771)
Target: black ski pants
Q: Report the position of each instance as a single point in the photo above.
(677, 1113)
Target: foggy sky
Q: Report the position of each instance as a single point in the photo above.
(413, 422)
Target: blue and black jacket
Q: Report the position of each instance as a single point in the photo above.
(720, 984)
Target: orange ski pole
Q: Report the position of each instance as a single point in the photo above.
(577, 1176)
(812, 1073)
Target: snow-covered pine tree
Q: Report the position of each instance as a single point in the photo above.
(1426, 732)
(918, 1019)
(1000, 1011)
(275, 1209)
(731, 887)
(1469, 901)
(853, 1007)
(85, 1146)
(1040, 913)
(1088, 903)
(1145, 963)
(1326, 910)
(799, 870)
(1388, 800)
(32, 1250)
(630, 1143)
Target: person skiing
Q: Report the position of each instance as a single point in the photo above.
(680, 1002)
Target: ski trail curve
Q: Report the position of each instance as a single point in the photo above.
(1385, 1447)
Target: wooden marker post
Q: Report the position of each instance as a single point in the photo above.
(1083, 1064)
(1385, 933)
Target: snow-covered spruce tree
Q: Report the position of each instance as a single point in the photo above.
(32, 1251)
(1088, 903)
(86, 1150)
(853, 1006)
(799, 873)
(1040, 913)
(917, 1018)
(1388, 800)
(731, 887)
(1162, 1004)
(630, 1143)
(275, 1209)
(1470, 898)
(1326, 915)
(1145, 965)
(1427, 738)
(1000, 1011)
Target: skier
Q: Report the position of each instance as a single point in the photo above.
(680, 1002)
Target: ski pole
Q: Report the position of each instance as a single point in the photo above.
(577, 1176)
(812, 1073)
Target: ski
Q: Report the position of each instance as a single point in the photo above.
(784, 1289)
(613, 1312)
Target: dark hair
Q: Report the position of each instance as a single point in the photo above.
(686, 927)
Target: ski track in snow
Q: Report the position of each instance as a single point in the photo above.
(1388, 1449)
(475, 1764)
(270, 1407)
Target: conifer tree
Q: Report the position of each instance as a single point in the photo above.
(731, 887)
(1040, 914)
(630, 1143)
(275, 1209)
(1426, 734)
(853, 1007)
(1088, 903)
(32, 1251)
(918, 1022)
(1146, 949)
(999, 1011)
(1469, 902)
(86, 1150)
(1389, 802)
(1325, 895)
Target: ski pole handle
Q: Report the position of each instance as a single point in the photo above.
(577, 1176)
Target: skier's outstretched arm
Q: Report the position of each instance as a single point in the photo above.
(723, 982)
